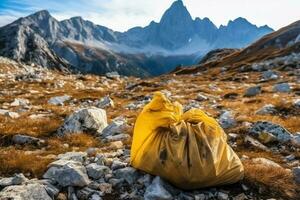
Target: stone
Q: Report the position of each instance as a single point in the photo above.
(201, 97)
(157, 191)
(17, 179)
(90, 120)
(67, 173)
(24, 139)
(253, 142)
(105, 188)
(266, 162)
(281, 134)
(12, 115)
(116, 164)
(145, 180)
(116, 145)
(59, 100)
(117, 126)
(253, 91)
(33, 191)
(296, 140)
(75, 156)
(269, 75)
(20, 102)
(296, 173)
(268, 109)
(129, 174)
(119, 137)
(96, 171)
(297, 103)
(222, 196)
(86, 193)
(112, 75)
(282, 87)
(266, 137)
(105, 102)
(227, 120)
(200, 197)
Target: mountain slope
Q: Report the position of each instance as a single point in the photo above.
(280, 47)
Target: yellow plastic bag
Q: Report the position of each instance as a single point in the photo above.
(190, 150)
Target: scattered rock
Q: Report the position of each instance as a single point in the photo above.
(201, 97)
(24, 139)
(296, 140)
(253, 91)
(75, 156)
(117, 126)
(68, 173)
(59, 101)
(20, 102)
(18, 179)
(105, 102)
(112, 75)
(12, 115)
(129, 174)
(297, 103)
(253, 142)
(222, 196)
(156, 191)
(25, 192)
(92, 120)
(268, 109)
(296, 173)
(281, 134)
(227, 120)
(266, 137)
(269, 75)
(265, 161)
(282, 87)
(96, 171)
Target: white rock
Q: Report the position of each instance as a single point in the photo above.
(227, 120)
(25, 192)
(67, 173)
(20, 102)
(156, 191)
(105, 102)
(59, 101)
(90, 120)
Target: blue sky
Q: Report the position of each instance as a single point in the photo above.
(123, 14)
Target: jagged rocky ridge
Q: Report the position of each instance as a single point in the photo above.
(80, 45)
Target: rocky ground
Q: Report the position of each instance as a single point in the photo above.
(68, 136)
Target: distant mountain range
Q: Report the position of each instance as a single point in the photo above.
(80, 45)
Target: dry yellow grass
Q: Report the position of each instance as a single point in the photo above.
(18, 161)
(271, 179)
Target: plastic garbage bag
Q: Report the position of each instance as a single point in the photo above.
(190, 150)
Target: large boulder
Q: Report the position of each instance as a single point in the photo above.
(68, 173)
(90, 120)
(157, 191)
(262, 127)
(32, 191)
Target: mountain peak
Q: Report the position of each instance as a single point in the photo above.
(177, 12)
(41, 14)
